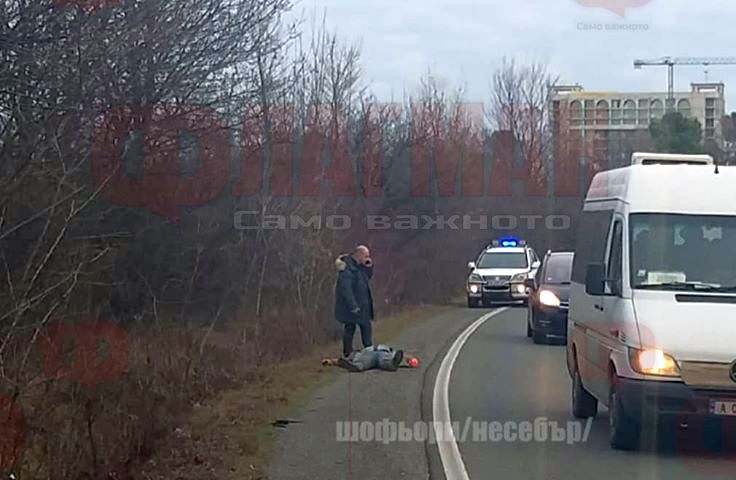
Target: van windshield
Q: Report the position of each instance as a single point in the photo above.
(683, 252)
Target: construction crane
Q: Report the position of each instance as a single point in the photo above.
(670, 63)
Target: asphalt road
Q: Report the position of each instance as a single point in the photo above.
(497, 376)
(309, 450)
(501, 376)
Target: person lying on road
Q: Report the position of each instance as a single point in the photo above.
(380, 357)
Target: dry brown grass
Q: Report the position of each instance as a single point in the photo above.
(102, 429)
(230, 435)
(192, 403)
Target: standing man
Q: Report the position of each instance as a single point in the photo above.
(353, 298)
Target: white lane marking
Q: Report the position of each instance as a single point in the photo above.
(450, 456)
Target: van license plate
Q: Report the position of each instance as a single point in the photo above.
(719, 407)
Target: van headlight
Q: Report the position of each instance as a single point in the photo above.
(549, 299)
(653, 362)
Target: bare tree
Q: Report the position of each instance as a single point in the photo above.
(66, 253)
(520, 103)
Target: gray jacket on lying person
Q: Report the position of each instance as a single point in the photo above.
(380, 357)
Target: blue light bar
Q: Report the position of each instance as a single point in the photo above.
(509, 242)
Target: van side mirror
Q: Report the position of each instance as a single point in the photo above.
(530, 283)
(536, 264)
(595, 279)
(471, 265)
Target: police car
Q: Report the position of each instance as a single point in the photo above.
(499, 273)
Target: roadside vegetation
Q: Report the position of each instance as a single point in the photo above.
(229, 435)
(137, 306)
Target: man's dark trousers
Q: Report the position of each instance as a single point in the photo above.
(366, 336)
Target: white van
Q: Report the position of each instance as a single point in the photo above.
(652, 320)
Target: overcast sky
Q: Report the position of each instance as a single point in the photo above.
(461, 41)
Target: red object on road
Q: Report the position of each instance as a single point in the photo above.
(413, 362)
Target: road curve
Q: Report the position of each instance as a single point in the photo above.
(499, 375)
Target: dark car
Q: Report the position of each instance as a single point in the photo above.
(549, 294)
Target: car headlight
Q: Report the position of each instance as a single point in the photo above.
(474, 288)
(654, 362)
(549, 299)
(518, 278)
(474, 277)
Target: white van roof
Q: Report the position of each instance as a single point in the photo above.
(641, 158)
(663, 186)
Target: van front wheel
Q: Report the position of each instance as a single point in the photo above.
(623, 433)
(584, 405)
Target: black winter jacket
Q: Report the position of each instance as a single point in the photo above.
(353, 291)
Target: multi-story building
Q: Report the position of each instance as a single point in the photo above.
(609, 119)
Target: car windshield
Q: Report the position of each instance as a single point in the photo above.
(558, 269)
(503, 260)
(693, 252)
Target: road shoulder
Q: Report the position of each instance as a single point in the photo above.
(310, 448)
